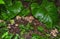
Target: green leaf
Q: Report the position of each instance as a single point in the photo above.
(35, 36)
(5, 34)
(3, 24)
(8, 2)
(16, 7)
(11, 11)
(2, 2)
(3, 16)
(46, 14)
(9, 36)
(41, 29)
(34, 5)
(2, 31)
(17, 36)
(28, 27)
(44, 2)
(24, 12)
(21, 26)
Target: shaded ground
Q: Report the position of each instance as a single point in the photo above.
(35, 23)
(14, 26)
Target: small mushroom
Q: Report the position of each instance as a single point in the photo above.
(30, 18)
(1, 21)
(18, 17)
(16, 24)
(9, 26)
(54, 32)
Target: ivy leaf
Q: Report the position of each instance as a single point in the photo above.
(46, 14)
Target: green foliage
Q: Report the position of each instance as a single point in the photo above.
(2, 2)
(2, 31)
(8, 35)
(17, 36)
(35, 36)
(46, 13)
(11, 11)
(26, 27)
(8, 2)
(25, 12)
(3, 28)
(5, 34)
(3, 24)
(41, 29)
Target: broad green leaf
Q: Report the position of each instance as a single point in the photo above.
(2, 2)
(11, 11)
(34, 5)
(46, 14)
(16, 7)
